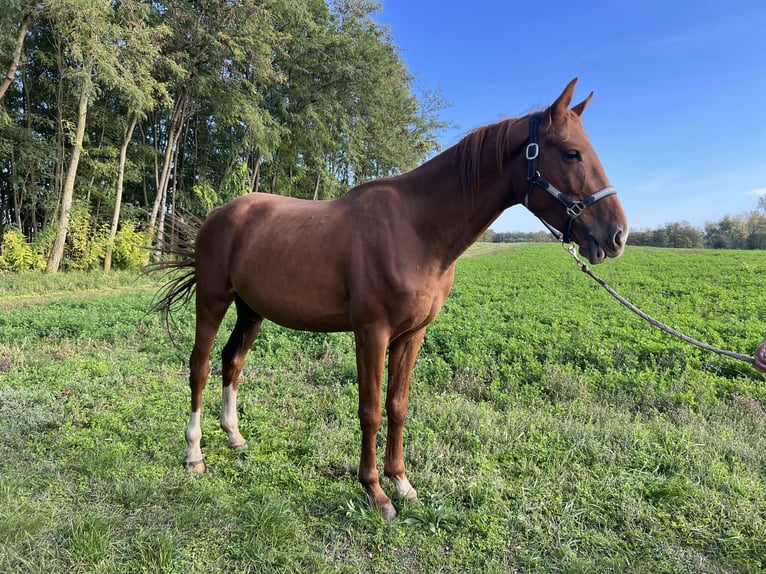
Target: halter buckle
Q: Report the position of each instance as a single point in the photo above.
(533, 150)
(575, 209)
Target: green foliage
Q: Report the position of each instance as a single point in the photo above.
(298, 97)
(549, 430)
(433, 516)
(747, 231)
(15, 252)
(130, 251)
(86, 242)
(206, 196)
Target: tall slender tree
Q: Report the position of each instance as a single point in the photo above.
(84, 30)
(139, 54)
(85, 82)
(26, 16)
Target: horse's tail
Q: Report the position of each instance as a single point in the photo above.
(182, 273)
(176, 292)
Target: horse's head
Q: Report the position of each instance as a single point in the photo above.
(566, 185)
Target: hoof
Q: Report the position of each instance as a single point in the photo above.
(195, 466)
(388, 512)
(410, 496)
(236, 440)
(404, 489)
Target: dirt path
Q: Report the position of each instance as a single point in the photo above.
(17, 302)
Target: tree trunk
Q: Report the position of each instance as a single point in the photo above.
(174, 131)
(316, 187)
(256, 177)
(275, 167)
(18, 198)
(57, 252)
(59, 168)
(118, 197)
(8, 80)
(164, 206)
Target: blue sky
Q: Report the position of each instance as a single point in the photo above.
(679, 113)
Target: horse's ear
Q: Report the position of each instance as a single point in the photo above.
(580, 108)
(561, 105)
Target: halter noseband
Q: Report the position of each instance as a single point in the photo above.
(573, 208)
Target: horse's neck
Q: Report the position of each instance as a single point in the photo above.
(452, 217)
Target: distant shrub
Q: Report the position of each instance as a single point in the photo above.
(86, 243)
(129, 252)
(16, 254)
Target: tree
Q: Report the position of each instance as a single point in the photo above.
(682, 235)
(26, 16)
(220, 55)
(755, 224)
(729, 233)
(119, 191)
(139, 51)
(16, 17)
(85, 28)
(345, 108)
(85, 86)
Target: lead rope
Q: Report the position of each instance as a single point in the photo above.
(660, 325)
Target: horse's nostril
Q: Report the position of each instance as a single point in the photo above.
(619, 238)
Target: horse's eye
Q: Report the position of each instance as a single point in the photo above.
(572, 155)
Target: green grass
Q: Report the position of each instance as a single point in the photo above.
(549, 430)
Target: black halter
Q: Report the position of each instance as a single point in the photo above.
(573, 208)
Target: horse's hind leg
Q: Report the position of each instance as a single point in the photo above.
(233, 358)
(210, 313)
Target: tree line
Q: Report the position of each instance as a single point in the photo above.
(746, 231)
(117, 115)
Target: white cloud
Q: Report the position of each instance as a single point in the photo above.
(759, 191)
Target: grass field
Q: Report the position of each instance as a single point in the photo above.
(549, 430)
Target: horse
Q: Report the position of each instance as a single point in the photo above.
(380, 261)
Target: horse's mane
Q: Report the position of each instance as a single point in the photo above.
(469, 150)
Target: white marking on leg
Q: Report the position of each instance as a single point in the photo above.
(230, 419)
(193, 459)
(404, 489)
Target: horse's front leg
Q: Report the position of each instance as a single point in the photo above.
(401, 359)
(371, 345)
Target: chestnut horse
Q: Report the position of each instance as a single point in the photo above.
(380, 261)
